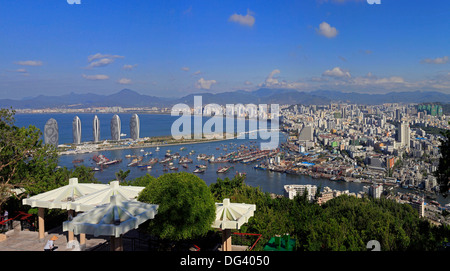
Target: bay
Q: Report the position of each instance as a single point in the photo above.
(160, 125)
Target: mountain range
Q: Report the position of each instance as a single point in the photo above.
(130, 98)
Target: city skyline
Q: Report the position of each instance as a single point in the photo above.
(176, 48)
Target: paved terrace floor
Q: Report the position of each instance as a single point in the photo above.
(29, 241)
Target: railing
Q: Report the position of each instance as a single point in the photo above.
(249, 234)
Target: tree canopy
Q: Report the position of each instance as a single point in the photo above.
(343, 223)
(443, 172)
(186, 206)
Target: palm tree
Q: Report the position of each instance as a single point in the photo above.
(122, 175)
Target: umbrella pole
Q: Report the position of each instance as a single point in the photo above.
(70, 235)
(116, 243)
(226, 240)
(41, 224)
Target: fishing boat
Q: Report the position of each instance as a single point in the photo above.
(199, 170)
(173, 168)
(202, 166)
(218, 160)
(185, 166)
(133, 164)
(261, 166)
(153, 161)
(157, 149)
(223, 169)
(185, 160)
(202, 157)
(108, 163)
(166, 160)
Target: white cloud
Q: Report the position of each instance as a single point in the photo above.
(327, 30)
(246, 20)
(337, 73)
(248, 83)
(96, 77)
(275, 83)
(129, 67)
(101, 60)
(197, 73)
(340, 1)
(438, 60)
(186, 69)
(204, 84)
(29, 63)
(124, 81)
(99, 56)
(270, 81)
(100, 63)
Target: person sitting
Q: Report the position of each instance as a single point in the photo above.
(50, 246)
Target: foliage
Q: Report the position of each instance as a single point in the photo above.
(343, 223)
(122, 175)
(186, 206)
(443, 172)
(140, 181)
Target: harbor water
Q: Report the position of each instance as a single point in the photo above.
(160, 125)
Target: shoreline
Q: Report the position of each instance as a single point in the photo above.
(150, 145)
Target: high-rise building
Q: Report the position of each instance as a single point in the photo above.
(134, 127)
(76, 130)
(306, 134)
(51, 132)
(96, 129)
(115, 128)
(403, 134)
(292, 190)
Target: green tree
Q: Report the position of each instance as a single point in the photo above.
(122, 175)
(443, 171)
(186, 206)
(22, 154)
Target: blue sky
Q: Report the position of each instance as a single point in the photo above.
(174, 48)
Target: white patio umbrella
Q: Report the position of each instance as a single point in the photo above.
(59, 198)
(231, 216)
(112, 219)
(103, 196)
